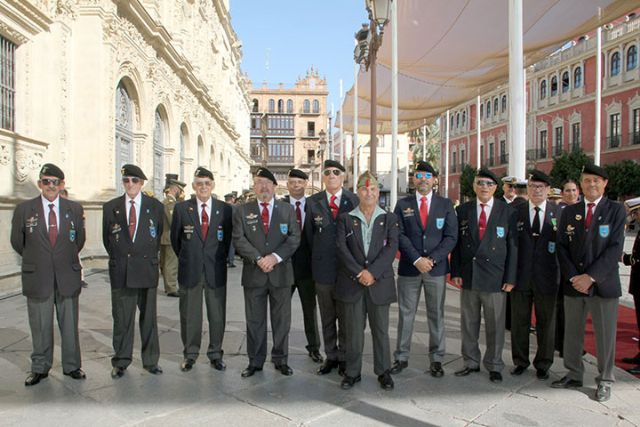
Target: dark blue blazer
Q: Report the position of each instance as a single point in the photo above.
(537, 256)
(324, 263)
(198, 254)
(596, 251)
(436, 241)
(301, 259)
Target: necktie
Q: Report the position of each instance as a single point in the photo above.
(482, 222)
(299, 214)
(333, 207)
(587, 221)
(204, 221)
(53, 224)
(535, 226)
(132, 219)
(265, 217)
(424, 212)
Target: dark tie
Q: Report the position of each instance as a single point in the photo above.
(132, 219)
(424, 212)
(333, 207)
(298, 214)
(535, 226)
(587, 221)
(482, 222)
(204, 221)
(53, 224)
(265, 217)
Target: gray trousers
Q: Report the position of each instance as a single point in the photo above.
(355, 316)
(169, 268)
(191, 319)
(331, 317)
(40, 311)
(409, 288)
(255, 307)
(604, 313)
(472, 303)
(123, 308)
(307, 294)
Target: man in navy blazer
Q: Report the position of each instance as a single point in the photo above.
(484, 264)
(590, 243)
(428, 233)
(537, 277)
(200, 237)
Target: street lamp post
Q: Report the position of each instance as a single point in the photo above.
(322, 143)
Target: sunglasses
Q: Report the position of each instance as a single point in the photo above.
(336, 172)
(133, 179)
(427, 175)
(50, 181)
(483, 183)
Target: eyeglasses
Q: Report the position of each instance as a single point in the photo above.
(336, 172)
(536, 186)
(427, 175)
(133, 179)
(203, 183)
(483, 183)
(50, 181)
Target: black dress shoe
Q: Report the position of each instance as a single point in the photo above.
(398, 366)
(542, 374)
(385, 380)
(635, 360)
(466, 371)
(518, 370)
(284, 369)
(173, 294)
(635, 370)
(315, 356)
(327, 367)
(34, 378)
(155, 370)
(342, 368)
(603, 393)
(117, 372)
(218, 365)
(187, 365)
(495, 377)
(348, 382)
(250, 370)
(436, 369)
(566, 382)
(78, 374)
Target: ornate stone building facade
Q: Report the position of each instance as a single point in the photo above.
(93, 84)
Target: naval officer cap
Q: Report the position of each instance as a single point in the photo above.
(49, 169)
(555, 193)
(333, 164)
(593, 169)
(202, 172)
(632, 204)
(539, 176)
(132, 170)
(486, 173)
(509, 180)
(266, 173)
(423, 166)
(297, 173)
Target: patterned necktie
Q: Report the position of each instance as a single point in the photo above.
(298, 214)
(204, 221)
(535, 226)
(587, 221)
(265, 217)
(132, 219)
(53, 224)
(482, 222)
(424, 212)
(333, 207)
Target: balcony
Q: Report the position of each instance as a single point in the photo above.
(453, 168)
(634, 138)
(575, 145)
(504, 158)
(536, 153)
(613, 141)
(491, 161)
(557, 150)
(273, 160)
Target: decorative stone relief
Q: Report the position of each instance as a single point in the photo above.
(26, 161)
(5, 155)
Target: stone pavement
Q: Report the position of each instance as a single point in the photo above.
(205, 396)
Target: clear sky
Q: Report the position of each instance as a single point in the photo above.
(293, 35)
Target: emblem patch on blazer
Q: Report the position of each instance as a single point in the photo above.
(578, 217)
(500, 232)
(251, 216)
(520, 225)
(318, 220)
(188, 231)
(115, 228)
(552, 247)
(407, 212)
(220, 233)
(31, 223)
(554, 222)
(152, 229)
(603, 231)
(439, 223)
(284, 228)
(72, 233)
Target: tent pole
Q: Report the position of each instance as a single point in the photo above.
(598, 106)
(517, 137)
(356, 153)
(394, 104)
(446, 158)
(478, 132)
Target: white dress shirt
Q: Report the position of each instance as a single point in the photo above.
(45, 209)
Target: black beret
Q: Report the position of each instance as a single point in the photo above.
(132, 170)
(333, 164)
(593, 169)
(486, 173)
(176, 182)
(203, 172)
(539, 176)
(297, 173)
(266, 173)
(229, 195)
(423, 166)
(49, 169)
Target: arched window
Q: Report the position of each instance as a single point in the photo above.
(554, 86)
(289, 106)
(316, 106)
(464, 118)
(565, 82)
(577, 77)
(306, 107)
(159, 136)
(272, 106)
(632, 58)
(451, 122)
(543, 89)
(504, 103)
(615, 64)
(457, 120)
(124, 130)
(184, 139)
(495, 106)
(488, 109)
(481, 111)
(255, 106)
(280, 106)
